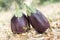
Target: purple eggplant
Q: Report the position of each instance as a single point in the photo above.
(38, 21)
(19, 24)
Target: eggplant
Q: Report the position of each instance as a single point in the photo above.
(19, 24)
(38, 21)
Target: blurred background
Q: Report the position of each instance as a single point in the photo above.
(49, 8)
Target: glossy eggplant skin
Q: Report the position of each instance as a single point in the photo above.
(39, 22)
(19, 24)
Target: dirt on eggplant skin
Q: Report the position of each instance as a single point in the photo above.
(50, 11)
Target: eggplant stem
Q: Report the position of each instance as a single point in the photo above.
(18, 12)
(30, 9)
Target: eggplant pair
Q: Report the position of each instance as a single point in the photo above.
(21, 24)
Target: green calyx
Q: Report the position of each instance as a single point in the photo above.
(30, 10)
(18, 12)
